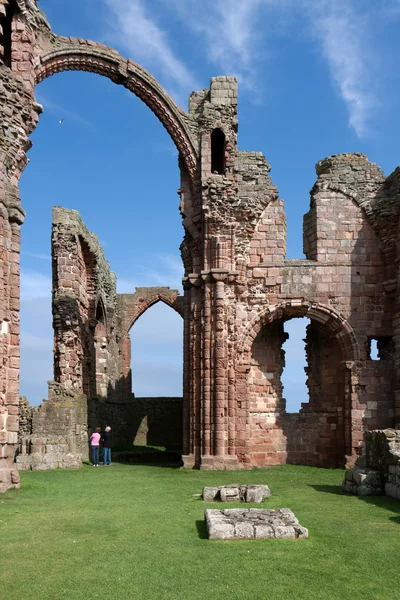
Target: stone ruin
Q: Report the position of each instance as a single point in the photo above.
(252, 523)
(378, 471)
(236, 493)
(92, 359)
(239, 287)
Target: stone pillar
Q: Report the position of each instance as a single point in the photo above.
(206, 374)
(11, 217)
(353, 417)
(186, 370)
(192, 372)
(220, 368)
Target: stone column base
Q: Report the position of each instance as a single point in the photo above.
(9, 479)
(211, 463)
(219, 463)
(189, 461)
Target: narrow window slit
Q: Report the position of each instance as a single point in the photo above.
(218, 152)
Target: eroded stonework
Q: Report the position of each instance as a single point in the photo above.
(239, 287)
(378, 471)
(236, 493)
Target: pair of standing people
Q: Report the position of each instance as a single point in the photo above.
(105, 438)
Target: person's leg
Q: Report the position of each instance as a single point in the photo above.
(96, 448)
(107, 456)
(93, 455)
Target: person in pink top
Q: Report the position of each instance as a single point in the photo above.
(94, 446)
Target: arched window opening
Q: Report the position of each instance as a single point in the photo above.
(157, 375)
(7, 15)
(294, 377)
(157, 353)
(100, 316)
(218, 152)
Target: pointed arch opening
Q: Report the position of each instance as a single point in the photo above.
(157, 352)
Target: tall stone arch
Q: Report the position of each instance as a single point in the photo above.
(83, 55)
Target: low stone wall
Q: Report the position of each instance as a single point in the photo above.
(141, 421)
(381, 472)
(54, 434)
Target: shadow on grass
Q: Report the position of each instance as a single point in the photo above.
(395, 519)
(380, 501)
(149, 456)
(201, 530)
(328, 489)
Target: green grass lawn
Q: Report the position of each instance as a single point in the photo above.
(130, 532)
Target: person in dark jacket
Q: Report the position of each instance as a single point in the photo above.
(106, 441)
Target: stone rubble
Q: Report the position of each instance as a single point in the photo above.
(236, 493)
(252, 523)
(381, 472)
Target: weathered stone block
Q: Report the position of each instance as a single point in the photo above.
(253, 523)
(210, 494)
(229, 493)
(257, 493)
(237, 493)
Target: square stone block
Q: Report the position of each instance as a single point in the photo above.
(252, 523)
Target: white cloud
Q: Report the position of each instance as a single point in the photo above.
(342, 32)
(229, 32)
(37, 255)
(162, 270)
(35, 285)
(145, 40)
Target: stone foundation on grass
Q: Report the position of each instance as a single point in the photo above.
(381, 473)
(236, 493)
(252, 523)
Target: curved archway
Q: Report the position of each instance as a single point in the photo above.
(320, 433)
(134, 305)
(84, 55)
(331, 321)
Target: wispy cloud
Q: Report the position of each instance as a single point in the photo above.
(64, 114)
(229, 30)
(342, 32)
(37, 255)
(35, 285)
(158, 270)
(136, 30)
(165, 148)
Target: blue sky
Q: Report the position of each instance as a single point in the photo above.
(316, 77)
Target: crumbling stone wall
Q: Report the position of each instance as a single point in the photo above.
(237, 280)
(92, 359)
(54, 434)
(378, 472)
(86, 334)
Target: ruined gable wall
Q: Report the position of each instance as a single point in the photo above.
(84, 303)
(346, 273)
